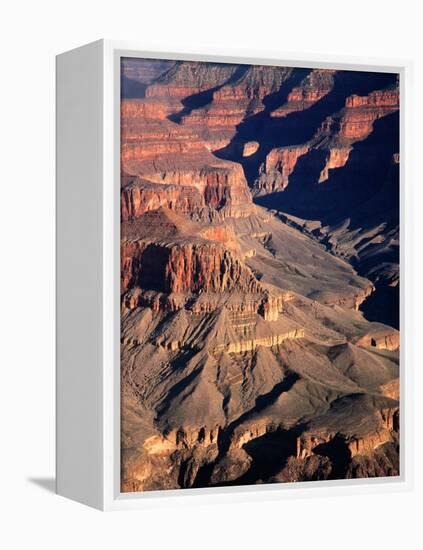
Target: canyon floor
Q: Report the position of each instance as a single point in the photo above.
(259, 274)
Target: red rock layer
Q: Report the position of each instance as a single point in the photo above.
(171, 261)
(151, 138)
(351, 124)
(135, 111)
(189, 78)
(233, 101)
(336, 135)
(187, 176)
(279, 165)
(186, 185)
(163, 152)
(313, 88)
(184, 268)
(337, 158)
(354, 123)
(143, 197)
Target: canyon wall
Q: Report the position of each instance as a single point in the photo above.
(258, 220)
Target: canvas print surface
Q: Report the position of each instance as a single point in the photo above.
(259, 274)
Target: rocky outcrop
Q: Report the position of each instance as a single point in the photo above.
(228, 103)
(191, 268)
(142, 196)
(187, 188)
(355, 121)
(143, 143)
(269, 341)
(255, 82)
(136, 112)
(335, 137)
(313, 88)
(279, 165)
(184, 268)
(156, 150)
(365, 444)
(384, 338)
(172, 461)
(250, 148)
(245, 357)
(337, 158)
(188, 78)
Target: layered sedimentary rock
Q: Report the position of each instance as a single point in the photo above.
(185, 267)
(188, 78)
(355, 123)
(278, 166)
(245, 355)
(157, 152)
(227, 104)
(317, 84)
(185, 186)
(351, 160)
(142, 196)
(334, 138)
(361, 112)
(337, 158)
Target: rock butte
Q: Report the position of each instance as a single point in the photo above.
(245, 355)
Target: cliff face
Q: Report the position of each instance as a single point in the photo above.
(336, 158)
(245, 355)
(348, 159)
(279, 165)
(142, 196)
(157, 150)
(317, 84)
(335, 137)
(188, 78)
(184, 268)
(355, 121)
(217, 114)
(186, 187)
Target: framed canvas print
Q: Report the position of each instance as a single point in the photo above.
(230, 239)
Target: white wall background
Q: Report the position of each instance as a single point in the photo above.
(31, 33)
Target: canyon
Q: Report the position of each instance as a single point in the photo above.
(259, 274)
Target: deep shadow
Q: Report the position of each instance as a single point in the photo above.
(152, 268)
(338, 453)
(383, 304)
(46, 483)
(269, 454)
(261, 403)
(369, 174)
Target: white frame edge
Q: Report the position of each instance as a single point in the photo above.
(109, 412)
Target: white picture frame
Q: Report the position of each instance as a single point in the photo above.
(88, 274)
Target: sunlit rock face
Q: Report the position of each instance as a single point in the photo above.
(259, 269)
